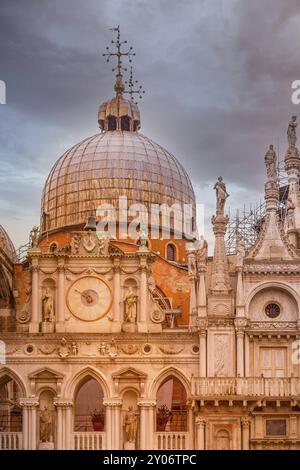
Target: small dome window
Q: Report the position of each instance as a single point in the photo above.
(111, 123)
(125, 123)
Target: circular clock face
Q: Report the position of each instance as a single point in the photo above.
(89, 298)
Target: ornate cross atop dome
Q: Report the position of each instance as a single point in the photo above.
(120, 113)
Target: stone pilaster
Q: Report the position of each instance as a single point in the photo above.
(200, 433)
(245, 422)
(220, 282)
(60, 316)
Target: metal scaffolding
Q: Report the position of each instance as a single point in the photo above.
(246, 223)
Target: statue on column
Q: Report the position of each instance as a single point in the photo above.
(202, 252)
(48, 305)
(130, 301)
(221, 194)
(291, 132)
(46, 425)
(130, 424)
(270, 162)
(34, 236)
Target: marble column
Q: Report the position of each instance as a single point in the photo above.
(245, 432)
(147, 419)
(117, 296)
(60, 317)
(35, 304)
(29, 422)
(200, 425)
(240, 353)
(113, 423)
(59, 425)
(193, 299)
(201, 294)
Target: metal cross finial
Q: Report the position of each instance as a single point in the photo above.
(119, 54)
(131, 83)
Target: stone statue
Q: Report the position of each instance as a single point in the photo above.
(34, 236)
(130, 424)
(291, 132)
(290, 214)
(130, 306)
(270, 162)
(46, 425)
(143, 235)
(192, 264)
(240, 252)
(221, 194)
(48, 306)
(202, 251)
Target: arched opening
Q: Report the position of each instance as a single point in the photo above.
(89, 408)
(171, 406)
(125, 123)
(171, 252)
(10, 410)
(53, 247)
(111, 123)
(223, 440)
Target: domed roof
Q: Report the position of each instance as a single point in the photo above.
(7, 245)
(105, 166)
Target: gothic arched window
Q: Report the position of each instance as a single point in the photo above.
(10, 410)
(171, 406)
(89, 409)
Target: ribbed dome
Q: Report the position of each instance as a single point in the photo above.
(105, 166)
(7, 245)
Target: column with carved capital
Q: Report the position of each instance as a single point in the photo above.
(29, 407)
(35, 304)
(113, 423)
(245, 432)
(200, 426)
(116, 326)
(147, 426)
(60, 317)
(59, 425)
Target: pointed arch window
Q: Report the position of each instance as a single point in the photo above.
(171, 252)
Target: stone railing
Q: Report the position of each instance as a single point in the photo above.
(246, 386)
(171, 440)
(10, 441)
(89, 440)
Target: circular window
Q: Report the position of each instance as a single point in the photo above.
(147, 349)
(29, 349)
(272, 310)
(195, 349)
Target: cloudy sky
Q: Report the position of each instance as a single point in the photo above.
(217, 74)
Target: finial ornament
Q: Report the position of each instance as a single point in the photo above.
(131, 83)
(291, 132)
(221, 195)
